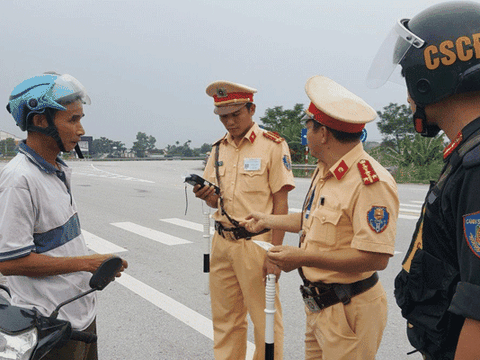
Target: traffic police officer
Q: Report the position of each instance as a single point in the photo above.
(439, 285)
(348, 228)
(252, 167)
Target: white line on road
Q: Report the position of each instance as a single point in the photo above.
(151, 234)
(187, 224)
(99, 245)
(110, 175)
(408, 217)
(186, 315)
(412, 205)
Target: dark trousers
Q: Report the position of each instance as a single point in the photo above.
(76, 350)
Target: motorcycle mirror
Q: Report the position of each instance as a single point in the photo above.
(103, 276)
(105, 273)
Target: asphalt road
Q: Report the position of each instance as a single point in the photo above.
(158, 309)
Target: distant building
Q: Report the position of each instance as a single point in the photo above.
(5, 135)
(86, 145)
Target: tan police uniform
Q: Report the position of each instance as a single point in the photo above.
(249, 175)
(353, 204)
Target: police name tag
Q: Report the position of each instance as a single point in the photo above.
(252, 164)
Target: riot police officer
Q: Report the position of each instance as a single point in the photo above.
(438, 288)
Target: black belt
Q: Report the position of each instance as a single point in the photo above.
(325, 295)
(235, 233)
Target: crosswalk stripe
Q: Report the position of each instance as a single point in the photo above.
(408, 217)
(186, 315)
(187, 224)
(151, 234)
(412, 205)
(99, 245)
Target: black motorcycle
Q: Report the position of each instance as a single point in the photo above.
(27, 335)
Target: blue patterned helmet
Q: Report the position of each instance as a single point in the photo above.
(49, 90)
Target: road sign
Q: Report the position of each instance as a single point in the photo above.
(304, 136)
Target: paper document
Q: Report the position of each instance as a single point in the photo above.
(263, 244)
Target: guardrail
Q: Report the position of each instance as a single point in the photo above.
(304, 166)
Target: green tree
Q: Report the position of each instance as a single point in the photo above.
(421, 151)
(287, 123)
(104, 146)
(395, 124)
(205, 148)
(143, 144)
(185, 150)
(415, 160)
(7, 147)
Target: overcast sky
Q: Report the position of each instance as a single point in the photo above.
(146, 64)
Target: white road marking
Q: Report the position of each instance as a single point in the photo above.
(186, 315)
(412, 205)
(106, 174)
(99, 245)
(187, 224)
(408, 217)
(151, 234)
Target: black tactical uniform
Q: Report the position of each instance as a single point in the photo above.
(440, 286)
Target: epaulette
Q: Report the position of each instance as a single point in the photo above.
(219, 140)
(369, 176)
(273, 136)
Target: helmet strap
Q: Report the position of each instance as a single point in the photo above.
(78, 151)
(421, 125)
(50, 130)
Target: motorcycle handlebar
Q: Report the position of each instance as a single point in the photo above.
(83, 336)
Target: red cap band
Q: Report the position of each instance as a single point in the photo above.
(233, 96)
(335, 124)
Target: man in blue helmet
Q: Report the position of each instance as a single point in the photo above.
(438, 288)
(42, 250)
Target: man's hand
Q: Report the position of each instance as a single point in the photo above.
(255, 222)
(270, 268)
(207, 194)
(287, 258)
(95, 260)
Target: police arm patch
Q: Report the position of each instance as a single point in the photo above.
(471, 229)
(287, 162)
(377, 218)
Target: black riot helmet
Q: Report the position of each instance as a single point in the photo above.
(439, 52)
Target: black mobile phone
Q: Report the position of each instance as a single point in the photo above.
(194, 179)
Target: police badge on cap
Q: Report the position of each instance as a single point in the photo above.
(229, 97)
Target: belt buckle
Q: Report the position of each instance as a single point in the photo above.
(311, 304)
(308, 299)
(229, 235)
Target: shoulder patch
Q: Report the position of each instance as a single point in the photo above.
(287, 163)
(273, 136)
(471, 230)
(378, 218)
(369, 176)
